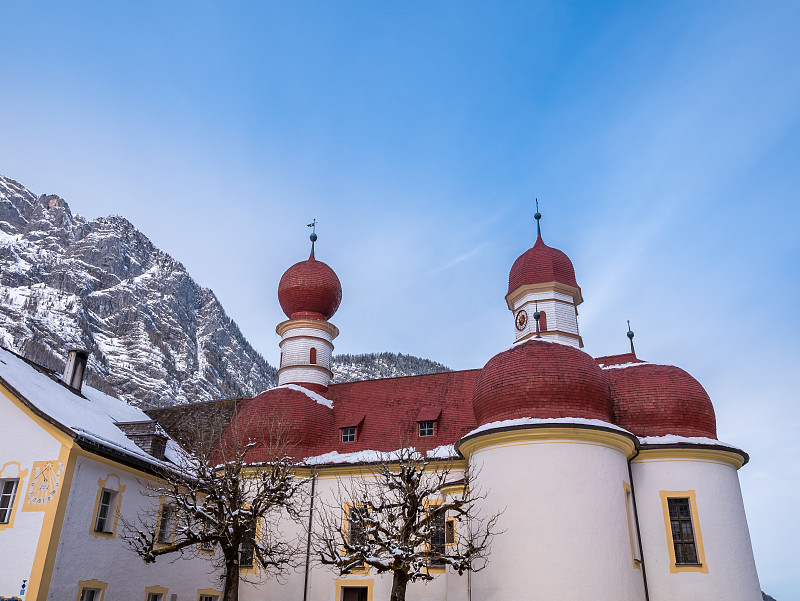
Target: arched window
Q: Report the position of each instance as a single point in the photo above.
(313, 357)
(542, 321)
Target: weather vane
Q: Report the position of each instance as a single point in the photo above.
(537, 216)
(313, 236)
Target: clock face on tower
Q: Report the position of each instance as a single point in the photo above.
(522, 319)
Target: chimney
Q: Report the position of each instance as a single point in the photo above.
(148, 436)
(76, 366)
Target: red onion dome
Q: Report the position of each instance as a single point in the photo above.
(656, 400)
(309, 289)
(541, 264)
(541, 379)
(304, 424)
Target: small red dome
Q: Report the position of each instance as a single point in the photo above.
(309, 289)
(541, 380)
(541, 264)
(656, 400)
(305, 426)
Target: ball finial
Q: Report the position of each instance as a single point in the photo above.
(630, 337)
(537, 216)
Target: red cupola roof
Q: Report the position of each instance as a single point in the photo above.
(539, 265)
(309, 289)
(656, 400)
(304, 425)
(541, 379)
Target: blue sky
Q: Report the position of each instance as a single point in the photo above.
(660, 138)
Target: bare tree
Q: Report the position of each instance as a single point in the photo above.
(216, 501)
(405, 518)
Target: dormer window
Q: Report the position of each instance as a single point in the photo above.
(349, 434)
(426, 428)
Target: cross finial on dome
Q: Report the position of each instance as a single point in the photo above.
(313, 236)
(630, 337)
(537, 216)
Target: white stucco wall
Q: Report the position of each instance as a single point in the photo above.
(565, 523)
(296, 346)
(18, 541)
(560, 311)
(83, 556)
(721, 519)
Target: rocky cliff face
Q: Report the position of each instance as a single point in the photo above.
(155, 336)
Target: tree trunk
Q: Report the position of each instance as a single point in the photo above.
(231, 578)
(399, 584)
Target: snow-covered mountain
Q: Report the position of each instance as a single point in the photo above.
(156, 337)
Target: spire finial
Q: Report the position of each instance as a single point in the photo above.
(537, 315)
(313, 236)
(537, 216)
(630, 337)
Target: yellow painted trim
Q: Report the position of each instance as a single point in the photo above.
(19, 475)
(540, 435)
(92, 584)
(698, 537)
(45, 558)
(55, 432)
(513, 297)
(435, 570)
(346, 582)
(628, 491)
(103, 484)
(684, 454)
(314, 324)
(346, 529)
(51, 471)
(453, 489)
(158, 590)
(362, 469)
(209, 591)
(552, 333)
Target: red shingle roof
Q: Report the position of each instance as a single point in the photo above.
(541, 264)
(309, 289)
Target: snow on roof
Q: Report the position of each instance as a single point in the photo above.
(673, 439)
(626, 365)
(310, 394)
(537, 421)
(93, 417)
(446, 451)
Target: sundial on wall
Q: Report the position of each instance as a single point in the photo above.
(44, 481)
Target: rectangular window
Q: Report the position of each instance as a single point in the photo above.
(426, 428)
(247, 551)
(90, 594)
(450, 532)
(349, 434)
(437, 542)
(680, 517)
(155, 597)
(208, 598)
(356, 530)
(166, 524)
(8, 489)
(105, 511)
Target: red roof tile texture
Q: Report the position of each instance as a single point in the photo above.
(656, 400)
(309, 289)
(541, 264)
(541, 380)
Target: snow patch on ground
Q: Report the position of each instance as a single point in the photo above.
(536, 421)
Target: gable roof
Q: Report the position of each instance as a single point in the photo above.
(89, 416)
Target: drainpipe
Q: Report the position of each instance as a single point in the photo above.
(638, 530)
(308, 540)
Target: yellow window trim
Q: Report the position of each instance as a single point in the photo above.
(628, 492)
(107, 484)
(345, 582)
(674, 568)
(162, 502)
(208, 591)
(12, 470)
(428, 569)
(101, 586)
(453, 521)
(346, 529)
(156, 589)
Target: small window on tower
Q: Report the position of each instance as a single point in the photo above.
(542, 321)
(313, 357)
(426, 428)
(349, 434)
(680, 517)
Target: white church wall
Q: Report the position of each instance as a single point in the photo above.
(84, 554)
(728, 570)
(564, 519)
